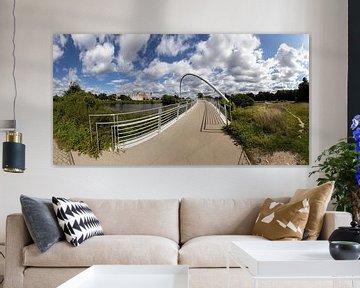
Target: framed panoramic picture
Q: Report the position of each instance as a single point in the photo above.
(180, 99)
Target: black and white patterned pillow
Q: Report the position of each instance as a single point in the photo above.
(77, 220)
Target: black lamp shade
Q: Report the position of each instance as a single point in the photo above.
(13, 157)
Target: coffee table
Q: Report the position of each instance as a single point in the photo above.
(131, 276)
(292, 260)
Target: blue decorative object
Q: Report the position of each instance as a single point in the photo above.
(344, 250)
(346, 233)
(356, 134)
(355, 122)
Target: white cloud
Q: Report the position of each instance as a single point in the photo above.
(72, 75)
(62, 39)
(217, 50)
(57, 52)
(233, 63)
(130, 45)
(98, 60)
(59, 42)
(158, 69)
(119, 81)
(172, 45)
(289, 65)
(229, 61)
(84, 41)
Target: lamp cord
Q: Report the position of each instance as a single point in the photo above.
(14, 60)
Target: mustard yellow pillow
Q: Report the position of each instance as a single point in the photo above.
(319, 198)
(279, 221)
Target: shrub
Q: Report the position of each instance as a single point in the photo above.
(242, 100)
(167, 100)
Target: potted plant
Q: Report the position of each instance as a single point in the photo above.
(341, 163)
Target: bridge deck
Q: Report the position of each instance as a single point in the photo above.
(195, 139)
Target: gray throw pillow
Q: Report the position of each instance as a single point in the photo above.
(41, 221)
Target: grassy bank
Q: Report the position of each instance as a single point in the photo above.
(71, 121)
(71, 128)
(264, 129)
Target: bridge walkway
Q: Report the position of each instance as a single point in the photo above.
(195, 139)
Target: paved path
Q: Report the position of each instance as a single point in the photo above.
(195, 139)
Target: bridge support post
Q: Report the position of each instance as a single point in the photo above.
(227, 122)
(159, 120)
(177, 112)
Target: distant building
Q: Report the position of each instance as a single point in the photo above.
(141, 96)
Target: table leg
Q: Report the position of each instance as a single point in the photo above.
(228, 270)
(255, 283)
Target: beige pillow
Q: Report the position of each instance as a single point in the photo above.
(279, 221)
(319, 198)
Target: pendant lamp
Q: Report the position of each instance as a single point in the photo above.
(13, 158)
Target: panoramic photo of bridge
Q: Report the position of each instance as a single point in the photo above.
(141, 99)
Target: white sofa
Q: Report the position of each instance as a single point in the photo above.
(194, 232)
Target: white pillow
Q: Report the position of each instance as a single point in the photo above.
(76, 220)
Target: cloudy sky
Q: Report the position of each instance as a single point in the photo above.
(128, 63)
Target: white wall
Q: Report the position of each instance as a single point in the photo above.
(324, 20)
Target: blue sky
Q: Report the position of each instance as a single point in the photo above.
(154, 63)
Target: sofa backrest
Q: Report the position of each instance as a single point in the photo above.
(159, 217)
(200, 217)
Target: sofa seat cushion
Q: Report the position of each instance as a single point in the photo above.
(206, 217)
(211, 251)
(159, 217)
(107, 249)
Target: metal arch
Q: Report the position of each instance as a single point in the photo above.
(207, 82)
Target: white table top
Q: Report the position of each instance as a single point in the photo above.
(131, 276)
(291, 259)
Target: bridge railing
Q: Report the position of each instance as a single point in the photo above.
(224, 109)
(128, 129)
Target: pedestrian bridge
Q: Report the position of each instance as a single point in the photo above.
(190, 132)
(197, 138)
(129, 129)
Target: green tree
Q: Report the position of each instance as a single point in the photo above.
(74, 87)
(242, 100)
(124, 97)
(168, 99)
(303, 91)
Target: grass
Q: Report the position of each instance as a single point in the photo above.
(268, 128)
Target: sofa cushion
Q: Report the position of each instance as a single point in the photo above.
(158, 217)
(319, 198)
(41, 221)
(200, 217)
(107, 249)
(279, 221)
(77, 220)
(211, 251)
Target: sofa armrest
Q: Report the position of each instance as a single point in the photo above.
(333, 220)
(17, 237)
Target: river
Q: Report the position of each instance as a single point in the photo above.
(134, 107)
